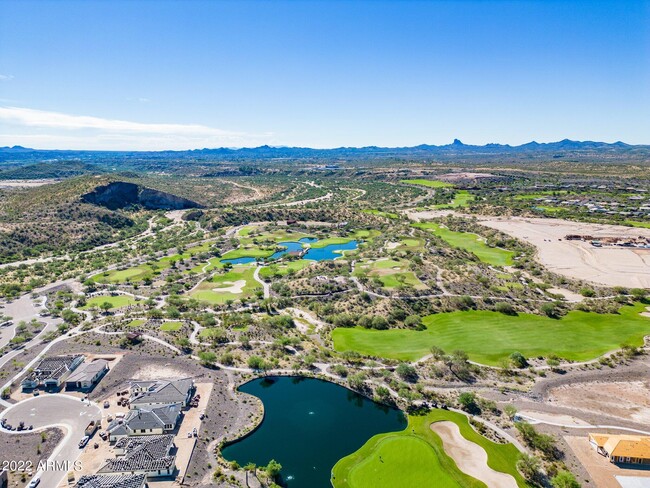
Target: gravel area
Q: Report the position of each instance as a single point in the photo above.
(228, 413)
(25, 448)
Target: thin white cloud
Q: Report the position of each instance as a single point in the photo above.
(6, 77)
(82, 131)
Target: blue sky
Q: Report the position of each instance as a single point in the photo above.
(189, 74)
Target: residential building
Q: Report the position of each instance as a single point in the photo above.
(156, 421)
(86, 376)
(112, 481)
(152, 394)
(51, 372)
(622, 448)
(153, 456)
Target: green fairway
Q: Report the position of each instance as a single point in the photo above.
(461, 199)
(392, 273)
(489, 336)
(470, 242)
(235, 284)
(429, 183)
(388, 215)
(366, 234)
(117, 301)
(148, 270)
(281, 269)
(171, 326)
(416, 457)
(136, 323)
(329, 241)
(411, 243)
(248, 252)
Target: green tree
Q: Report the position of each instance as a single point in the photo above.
(518, 360)
(529, 466)
(564, 479)
(207, 358)
(468, 402)
(407, 372)
(273, 469)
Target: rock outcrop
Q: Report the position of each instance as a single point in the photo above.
(121, 194)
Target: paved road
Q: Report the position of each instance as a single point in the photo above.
(55, 410)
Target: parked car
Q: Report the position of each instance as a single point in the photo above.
(106, 404)
(84, 441)
(189, 434)
(34, 483)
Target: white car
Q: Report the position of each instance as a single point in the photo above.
(34, 483)
(84, 441)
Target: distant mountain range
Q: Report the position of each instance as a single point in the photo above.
(532, 151)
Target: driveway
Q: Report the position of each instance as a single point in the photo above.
(49, 410)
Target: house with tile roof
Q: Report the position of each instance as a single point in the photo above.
(155, 421)
(622, 448)
(86, 376)
(112, 481)
(153, 456)
(51, 372)
(158, 393)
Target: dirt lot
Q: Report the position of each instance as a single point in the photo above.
(25, 447)
(576, 259)
(629, 400)
(600, 469)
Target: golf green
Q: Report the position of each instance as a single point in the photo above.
(416, 457)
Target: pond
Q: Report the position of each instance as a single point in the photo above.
(332, 251)
(329, 252)
(310, 424)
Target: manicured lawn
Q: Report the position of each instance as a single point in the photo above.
(416, 457)
(470, 242)
(489, 336)
(329, 241)
(366, 234)
(136, 323)
(209, 291)
(388, 215)
(171, 326)
(117, 301)
(283, 268)
(411, 243)
(429, 183)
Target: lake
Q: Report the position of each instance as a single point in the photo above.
(310, 424)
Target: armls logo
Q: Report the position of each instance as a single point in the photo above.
(51, 465)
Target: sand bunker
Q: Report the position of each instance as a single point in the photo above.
(611, 266)
(470, 458)
(231, 287)
(392, 245)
